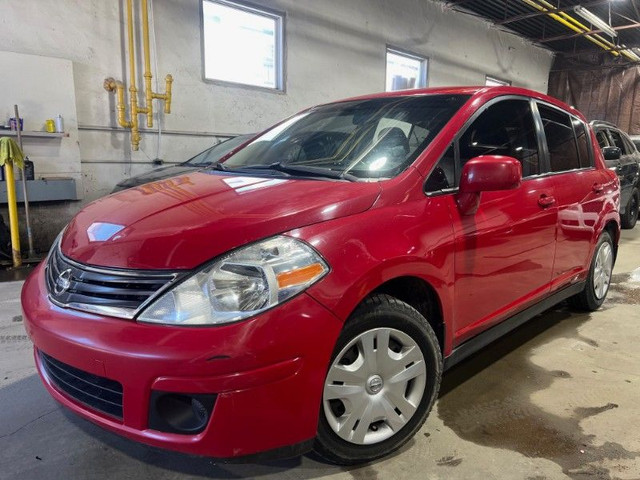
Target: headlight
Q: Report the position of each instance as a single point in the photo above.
(242, 284)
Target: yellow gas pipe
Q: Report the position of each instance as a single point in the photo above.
(578, 27)
(609, 44)
(110, 84)
(566, 23)
(13, 213)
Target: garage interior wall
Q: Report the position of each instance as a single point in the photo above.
(333, 49)
(611, 94)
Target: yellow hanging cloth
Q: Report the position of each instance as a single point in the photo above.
(10, 152)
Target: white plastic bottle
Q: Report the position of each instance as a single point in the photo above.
(59, 124)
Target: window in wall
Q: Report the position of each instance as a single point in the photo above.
(505, 128)
(561, 141)
(242, 44)
(405, 70)
(495, 82)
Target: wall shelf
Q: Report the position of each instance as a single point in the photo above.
(43, 190)
(25, 134)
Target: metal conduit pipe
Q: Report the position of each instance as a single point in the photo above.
(578, 27)
(566, 23)
(599, 37)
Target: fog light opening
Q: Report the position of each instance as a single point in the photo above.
(180, 413)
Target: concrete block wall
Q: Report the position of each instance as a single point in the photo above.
(334, 49)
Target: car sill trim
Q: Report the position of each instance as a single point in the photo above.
(483, 339)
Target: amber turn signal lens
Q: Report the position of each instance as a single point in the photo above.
(300, 276)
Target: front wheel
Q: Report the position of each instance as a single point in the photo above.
(599, 278)
(383, 379)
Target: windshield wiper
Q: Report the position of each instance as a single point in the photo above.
(302, 170)
(218, 166)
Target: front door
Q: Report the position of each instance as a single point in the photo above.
(504, 252)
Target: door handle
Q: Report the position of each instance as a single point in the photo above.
(546, 201)
(597, 187)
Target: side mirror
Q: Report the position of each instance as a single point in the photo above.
(485, 174)
(611, 153)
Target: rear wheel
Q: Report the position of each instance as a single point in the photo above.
(599, 278)
(630, 217)
(381, 384)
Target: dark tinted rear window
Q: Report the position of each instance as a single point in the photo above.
(563, 152)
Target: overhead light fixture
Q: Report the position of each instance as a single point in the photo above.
(595, 21)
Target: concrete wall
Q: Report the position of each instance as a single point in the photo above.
(334, 49)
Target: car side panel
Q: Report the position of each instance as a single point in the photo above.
(409, 239)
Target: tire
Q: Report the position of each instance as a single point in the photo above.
(359, 419)
(599, 278)
(630, 217)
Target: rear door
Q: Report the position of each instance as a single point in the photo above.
(504, 252)
(579, 190)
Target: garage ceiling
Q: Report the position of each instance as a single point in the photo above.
(557, 25)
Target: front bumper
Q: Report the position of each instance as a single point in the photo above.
(267, 372)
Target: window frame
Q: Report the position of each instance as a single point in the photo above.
(424, 66)
(543, 151)
(280, 44)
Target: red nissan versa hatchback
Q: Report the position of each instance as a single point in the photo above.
(309, 290)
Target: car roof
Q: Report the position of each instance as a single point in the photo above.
(603, 123)
(474, 91)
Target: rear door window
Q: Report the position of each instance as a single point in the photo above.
(561, 140)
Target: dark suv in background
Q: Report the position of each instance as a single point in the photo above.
(621, 156)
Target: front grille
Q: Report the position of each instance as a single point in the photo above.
(96, 392)
(109, 291)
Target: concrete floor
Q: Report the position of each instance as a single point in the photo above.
(556, 399)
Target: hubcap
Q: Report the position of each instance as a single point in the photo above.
(374, 386)
(602, 270)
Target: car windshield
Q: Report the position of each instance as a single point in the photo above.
(218, 151)
(360, 139)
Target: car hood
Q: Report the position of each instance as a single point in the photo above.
(156, 174)
(185, 221)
